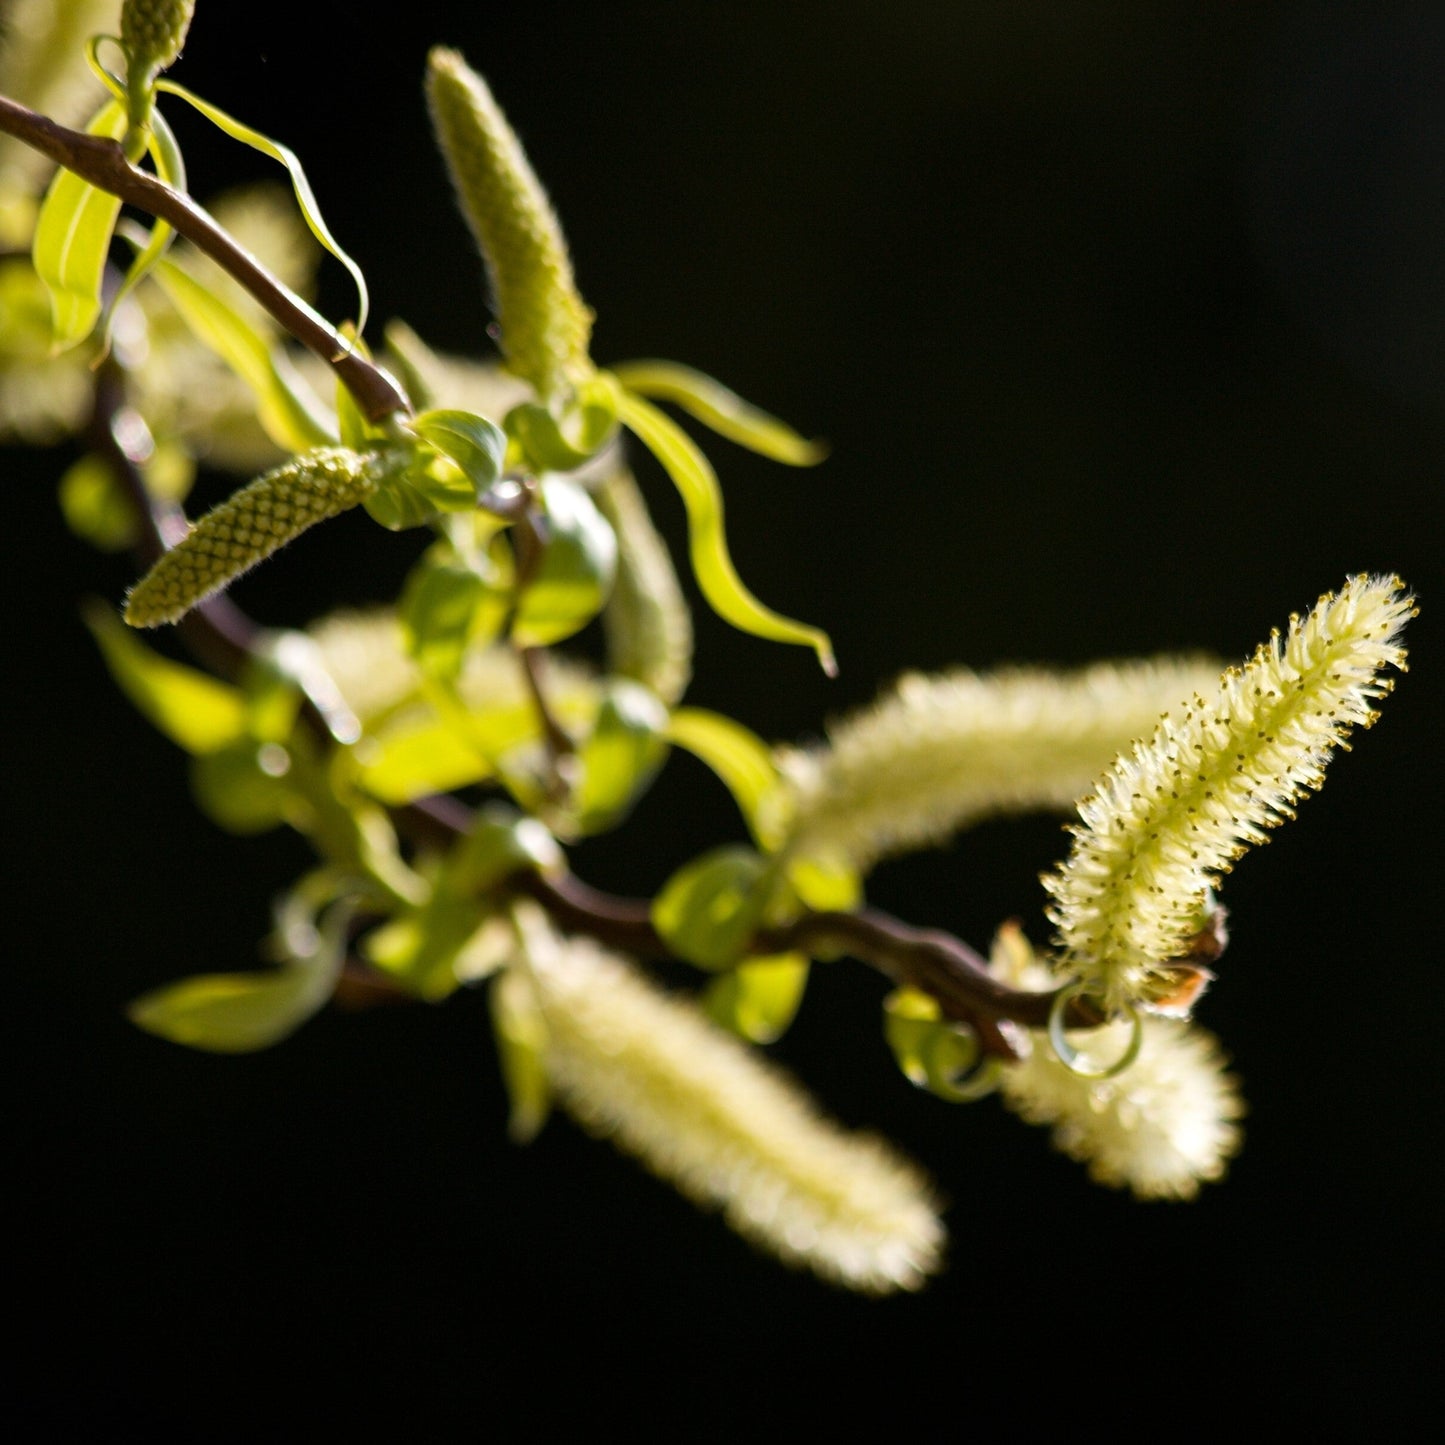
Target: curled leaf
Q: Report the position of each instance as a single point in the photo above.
(712, 564)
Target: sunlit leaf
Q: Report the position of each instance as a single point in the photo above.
(95, 507)
(552, 444)
(292, 415)
(716, 406)
(236, 1013)
(310, 211)
(447, 608)
(193, 710)
(473, 443)
(620, 758)
(759, 998)
(72, 239)
(416, 758)
(572, 580)
(696, 482)
(243, 786)
(825, 884)
(740, 758)
(709, 909)
(420, 949)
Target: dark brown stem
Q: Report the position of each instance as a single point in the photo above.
(102, 162)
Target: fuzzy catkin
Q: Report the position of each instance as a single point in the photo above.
(937, 754)
(545, 326)
(1172, 815)
(727, 1129)
(248, 527)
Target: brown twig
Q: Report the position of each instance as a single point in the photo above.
(102, 162)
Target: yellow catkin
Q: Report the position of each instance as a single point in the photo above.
(545, 326)
(248, 527)
(728, 1130)
(1163, 1127)
(1171, 816)
(938, 753)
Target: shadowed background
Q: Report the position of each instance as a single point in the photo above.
(1126, 326)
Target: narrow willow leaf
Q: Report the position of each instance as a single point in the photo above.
(72, 238)
(248, 527)
(709, 909)
(759, 998)
(574, 576)
(310, 211)
(420, 949)
(740, 758)
(697, 484)
(292, 415)
(194, 711)
(721, 409)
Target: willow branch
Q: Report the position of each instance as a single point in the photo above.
(101, 161)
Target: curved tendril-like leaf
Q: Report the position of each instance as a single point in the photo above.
(696, 482)
(292, 415)
(739, 757)
(720, 408)
(305, 197)
(72, 237)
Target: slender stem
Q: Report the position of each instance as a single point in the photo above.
(102, 162)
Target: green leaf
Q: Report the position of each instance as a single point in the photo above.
(710, 908)
(715, 406)
(500, 843)
(416, 758)
(237, 1013)
(287, 409)
(759, 998)
(72, 239)
(932, 1052)
(95, 506)
(193, 710)
(447, 608)
(521, 1033)
(550, 444)
(823, 883)
(243, 787)
(310, 211)
(475, 444)
(420, 949)
(712, 564)
(622, 755)
(741, 759)
(574, 575)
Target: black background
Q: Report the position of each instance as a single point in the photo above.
(1126, 324)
